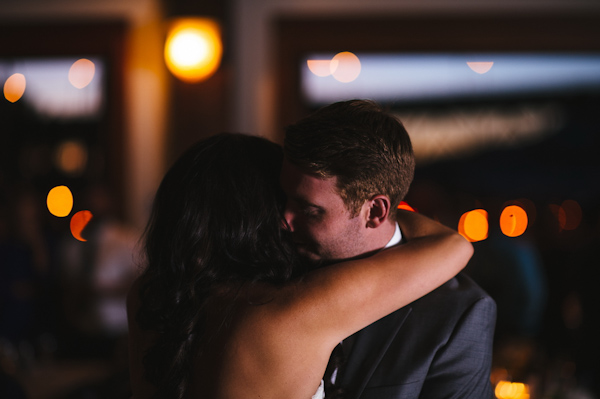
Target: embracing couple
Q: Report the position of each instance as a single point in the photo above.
(284, 274)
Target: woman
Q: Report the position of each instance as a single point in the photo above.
(224, 308)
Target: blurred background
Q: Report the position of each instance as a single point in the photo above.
(501, 99)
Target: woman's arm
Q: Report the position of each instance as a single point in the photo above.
(346, 297)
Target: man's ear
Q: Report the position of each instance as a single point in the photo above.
(379, 210)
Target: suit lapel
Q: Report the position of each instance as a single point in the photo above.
(370, 345)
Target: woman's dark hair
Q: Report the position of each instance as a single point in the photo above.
(216, 220)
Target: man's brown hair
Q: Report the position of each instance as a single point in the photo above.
(366, 148)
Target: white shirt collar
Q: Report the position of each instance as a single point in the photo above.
(396, 238)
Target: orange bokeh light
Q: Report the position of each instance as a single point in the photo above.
(78, 223)
(193, 49)
(513, 221)
(60, 201)
(473, 225)
(82, 73)
(404, 205)
(568, 214)
(345, 67)
(528, 206)
(71, 157)
(511, 390)
(573, 214)
(14, 87)
(320, 68)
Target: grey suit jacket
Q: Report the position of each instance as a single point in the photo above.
(438, 347)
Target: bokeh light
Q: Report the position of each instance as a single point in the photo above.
(474, 225)
(513, 221)
(345, 67)
(511, 390)
(320, 68)
(480, 67)
(82, 73)
(499, 374)
(568, 214)
(71, 157)
(78, 223)
(573, 214)
(193, 48)
(404, 205)
(14, 87)
(60, 201)
(528, 206)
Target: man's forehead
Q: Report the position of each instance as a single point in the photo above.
(291, 168)
(296, 182)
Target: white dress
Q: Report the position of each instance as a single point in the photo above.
(320, 392)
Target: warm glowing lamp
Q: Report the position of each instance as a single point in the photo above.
(193, 48)
(511, 390)
(321, 68)
(404, 205)
(71, 157)
(473, 225)
(513, 221)
(60, 201)
(14, 87)
(81, 73)
(345, 67)
(78, 223)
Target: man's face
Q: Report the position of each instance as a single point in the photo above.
(321, 225)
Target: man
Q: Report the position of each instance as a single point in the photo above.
(346, 169)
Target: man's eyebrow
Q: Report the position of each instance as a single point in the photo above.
(304, 202)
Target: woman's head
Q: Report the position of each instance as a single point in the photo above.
(216, 219)
(220, 205)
